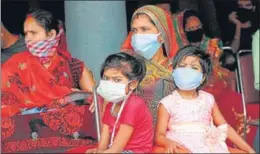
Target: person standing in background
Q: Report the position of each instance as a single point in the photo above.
(10, 44)
(244, 17)
(206, 9)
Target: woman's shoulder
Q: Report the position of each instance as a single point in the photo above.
(25, 53)
(18, 57)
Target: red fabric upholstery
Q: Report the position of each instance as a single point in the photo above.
(17, 135)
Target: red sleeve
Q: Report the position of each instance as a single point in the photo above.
(132, 111)
(76, 67)
(106, 114)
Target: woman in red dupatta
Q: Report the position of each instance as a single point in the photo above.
(157, 83)
(36, 78)
(222, 80)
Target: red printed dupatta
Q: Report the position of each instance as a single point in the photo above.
(27, 84)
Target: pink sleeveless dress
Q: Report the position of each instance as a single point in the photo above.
(191, 123)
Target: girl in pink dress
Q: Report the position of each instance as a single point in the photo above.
(189, 118)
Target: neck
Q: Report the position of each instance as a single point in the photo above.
(197, 44)
(9, 40)
(159, 58)
(188, 94)
(47, 65)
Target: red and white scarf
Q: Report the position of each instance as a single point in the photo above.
(45, 49)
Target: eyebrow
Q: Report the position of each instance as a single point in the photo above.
(140, 27)
(113, 77)
(29, 31)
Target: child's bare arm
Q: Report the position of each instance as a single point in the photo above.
(122, 137)
(161, 126)
(232, 134)
(104, 139)
(160, 132)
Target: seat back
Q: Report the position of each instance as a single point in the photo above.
(246, 82)
(246, 77)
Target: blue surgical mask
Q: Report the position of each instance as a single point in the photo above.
(187, 78)
(146, 44)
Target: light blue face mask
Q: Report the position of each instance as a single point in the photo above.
(146, 44)
(187, 78)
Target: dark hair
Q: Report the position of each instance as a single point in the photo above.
(131, 67)
(205, 60)
(228, 60)
(254, 2)
(45, 19)
(189, 13)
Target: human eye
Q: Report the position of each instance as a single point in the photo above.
(195, 68)
(104, 78)
(133, 30)
(181, 65)
(117, 80)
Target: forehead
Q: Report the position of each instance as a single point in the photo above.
(193, 21)
(31, 24)
(140, 20)
(191, 59)
(244, 2)
(114, 72)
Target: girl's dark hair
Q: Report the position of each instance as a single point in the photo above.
(131, 67)
(189, 13)
(205, 60)
(45, 19)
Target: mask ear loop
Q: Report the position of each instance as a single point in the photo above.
(117, 119)
(114, 105)
(161, 41)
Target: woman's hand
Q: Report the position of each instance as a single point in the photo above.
(233, 18)
(95, 150)
(251, 151)
(92, 107)
(75, 89)
(91, 150)
(175, 147)
(246, 25)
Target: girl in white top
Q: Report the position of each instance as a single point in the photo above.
(187, 118)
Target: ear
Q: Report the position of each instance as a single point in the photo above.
(133, 85)
(204, 78)
(52, 33)
(160, 39)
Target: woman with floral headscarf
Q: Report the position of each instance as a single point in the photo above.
(152, 38)
(33, 79)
